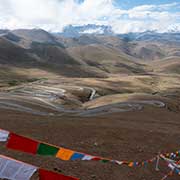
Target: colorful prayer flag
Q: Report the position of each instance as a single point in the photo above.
(47, 150)
(97, 159)
(15, 170)
(64, 154)
(131, 164)
(49, 175)
(20, 143)
(105, 160)
(87, 158)
(3, 135)
(76, 156)
(119, 162)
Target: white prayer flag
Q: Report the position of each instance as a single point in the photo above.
(119, 162)
(15, 170)
(3, 135)
(171, 166)
(87, 158)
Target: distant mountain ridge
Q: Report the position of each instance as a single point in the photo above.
(91, 30)
(88, 54)
(71, 31)
(152, 36)
(76, 31)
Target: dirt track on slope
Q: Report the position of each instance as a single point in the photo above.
(29, 98)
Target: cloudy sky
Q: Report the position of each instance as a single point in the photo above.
(122, 15)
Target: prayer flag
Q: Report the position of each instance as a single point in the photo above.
(15, 170)
(105, 160)
(131, 164)
(20, 143)
(87, 158)
(76, 156)
(64, 154)
(119, 162)
(135, 164)
(3, 135)
(171, 166)
(49, 175)
(47, 150)
(97, 159)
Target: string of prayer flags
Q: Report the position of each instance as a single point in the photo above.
(21, 143)
(31, 146)
(28, 145)
(4, 135)
(173, 165)
(174, 169)
(172, 155)
(16, 170)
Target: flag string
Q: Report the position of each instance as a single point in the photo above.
(172, 164)
(28, 145)
(36, 147)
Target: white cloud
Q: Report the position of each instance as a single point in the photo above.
(55, 14)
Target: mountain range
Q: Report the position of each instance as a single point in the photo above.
(90, 51)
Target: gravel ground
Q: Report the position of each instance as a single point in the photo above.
(138, 135)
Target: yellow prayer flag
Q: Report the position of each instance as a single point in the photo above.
(131, 164)
(64, 154)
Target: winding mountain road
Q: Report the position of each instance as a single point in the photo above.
(37, 99)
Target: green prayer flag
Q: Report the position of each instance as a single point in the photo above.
(105, 160)
(47, 150)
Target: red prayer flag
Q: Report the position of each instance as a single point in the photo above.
(49, 175)
(97, 159)
(20, 143)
